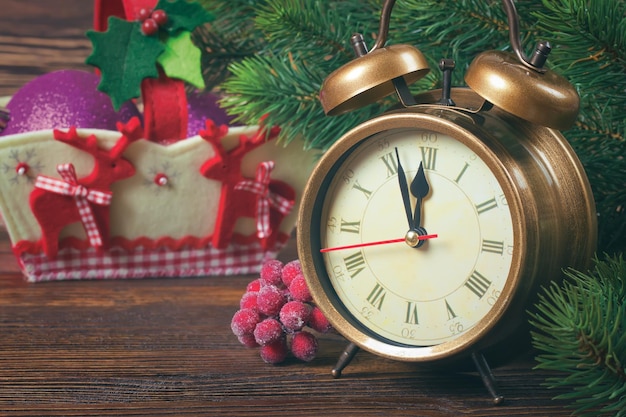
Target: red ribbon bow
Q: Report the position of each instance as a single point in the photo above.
(260, 186)
(69, 186)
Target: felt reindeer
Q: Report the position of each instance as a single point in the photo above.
(57, 203)
(264, 199)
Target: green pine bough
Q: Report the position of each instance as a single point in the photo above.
(581, 333)
(270, 58)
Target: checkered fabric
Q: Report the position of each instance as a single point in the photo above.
(145, 263)
(69, 186)
(266, 199)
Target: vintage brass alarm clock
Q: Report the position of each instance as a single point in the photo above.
(425, 233)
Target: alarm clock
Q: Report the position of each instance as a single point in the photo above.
(425, 233)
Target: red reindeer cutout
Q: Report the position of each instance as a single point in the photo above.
(57, 203)
(266, 200)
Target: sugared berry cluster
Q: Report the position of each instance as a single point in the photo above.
(151, 20)
(275, 311)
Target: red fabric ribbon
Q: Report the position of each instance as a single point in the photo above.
(266, 199)
(69, 186)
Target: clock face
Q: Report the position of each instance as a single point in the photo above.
(414, 296)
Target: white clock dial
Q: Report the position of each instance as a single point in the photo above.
(434, 293)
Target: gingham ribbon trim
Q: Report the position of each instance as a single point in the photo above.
(82, 195)
(266, 199)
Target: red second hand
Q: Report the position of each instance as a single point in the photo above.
(380, 242)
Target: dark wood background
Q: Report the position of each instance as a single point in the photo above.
(164, 346)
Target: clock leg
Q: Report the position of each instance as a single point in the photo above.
(487, 376)
(344, 359)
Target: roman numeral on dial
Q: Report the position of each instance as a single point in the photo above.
(391, 163)
(411, 313)
(486, 205)
(367, 193)
(377, 296)
(429, 157)
(355, 263)
(492, 246)
(478, 284)
(350, 227)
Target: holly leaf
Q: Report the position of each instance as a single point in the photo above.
(183, 15)
(181, 59)
(124, 56)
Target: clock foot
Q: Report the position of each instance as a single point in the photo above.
(344, 360)
(487, 376)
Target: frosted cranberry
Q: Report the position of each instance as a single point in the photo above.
(299, 289)
(274, 352)
(318, 321)
(290, 271)
(244, 322)
(304, 346)
(294, 315)
(271, 273)
(268, 331)
(270, 300)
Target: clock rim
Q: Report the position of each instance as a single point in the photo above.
(416, 118)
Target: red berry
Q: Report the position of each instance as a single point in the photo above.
(143, 14)
(294, 315)
(268, 331)
(274, 352)
(149, 27)
(249, 300)
(290, 270)
(254, 286)
(271, 273)
(244, 322)
(248, 340)
(299, 290)
(270, 300)
(304, 346)
(159, 16)
(317, 321)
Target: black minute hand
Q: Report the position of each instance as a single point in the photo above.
(404, 190)
(419, 189)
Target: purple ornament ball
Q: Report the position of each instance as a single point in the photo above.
(202, 106)
(62, 99)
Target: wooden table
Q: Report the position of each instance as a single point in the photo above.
(164, 346)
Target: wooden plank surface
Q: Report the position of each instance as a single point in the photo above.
(164, 346)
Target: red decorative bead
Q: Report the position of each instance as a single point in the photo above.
(161, 179)
(159, 16)
(149, 27)
(144, 13)
(22, 168)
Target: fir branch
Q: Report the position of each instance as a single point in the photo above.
(285, 92)
(581, 333)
